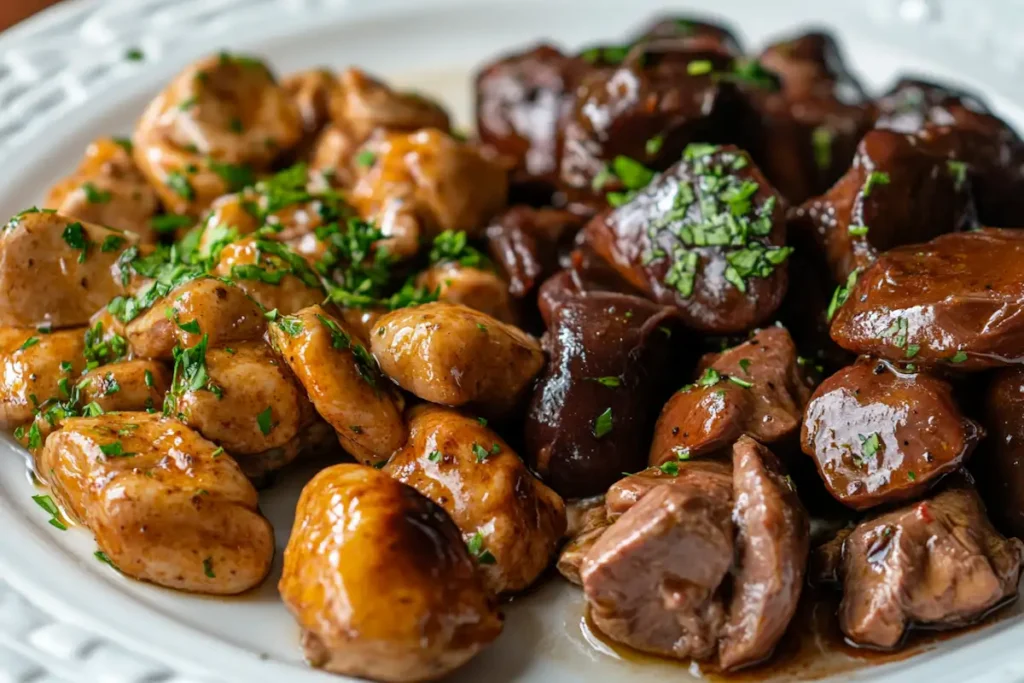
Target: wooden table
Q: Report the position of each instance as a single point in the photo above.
(13, 11)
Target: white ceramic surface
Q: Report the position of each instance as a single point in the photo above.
(64, 80)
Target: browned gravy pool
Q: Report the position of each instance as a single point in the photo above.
(813, 647)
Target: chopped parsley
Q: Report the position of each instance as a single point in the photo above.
(51, 509)
(265, 421)
(875, 178)
(180, 185)
(366, 159)
(28, 343)
(235, 176)
(869, 445)
(957, 169)
(74, 236)
(434, 456)
(745, 365)
(741, 382)
(671, 468)
(603, 424)
(289, 324)
(452, 246)
(93, 195)
(858, 230)
(476, 548)
(607, 381)
(208, 568)
(912, 350)
(112, 243)
(821, 141)
(114, 450)
(170, 222)
(959, 357)
(482, 453)
(105, 559)
(699, 67)
(842, 293)
(134, 54)
(654, 145)
(149, 378)
(911, 476)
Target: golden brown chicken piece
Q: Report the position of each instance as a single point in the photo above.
(220, 122)
(205, 306)
(252, 406)
(343, 382)
(32, 365)
(79, 263)
(165, 504)
(380, 580)
(362, 321)
(452, 355)
(311, 91)
(131, 385)
(274, 277)
(480, 289)
(511, 522)
(416, 185)
(107, 189)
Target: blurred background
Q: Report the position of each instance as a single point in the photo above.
(13, 11)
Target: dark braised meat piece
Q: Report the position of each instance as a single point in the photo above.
(773, 539)
(593, 409)
(660, 577)
(882, 436)
(998, 464)
(520, 101)
(706, 236)
(759, 388)
(593, 522)
(812, 125)
(983, 146)
(957, 300)
(900, 190)
(643, 109)
(691, 34)
(585, 273)
(937, 563)
(525, 242)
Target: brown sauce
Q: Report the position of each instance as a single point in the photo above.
(812, 648)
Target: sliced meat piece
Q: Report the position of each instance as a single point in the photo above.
(592, 411)
(707, 475)
(998, 464)
(983, 147)
(311, 92)
(453, 355)
(165, 505)
(591, 524)
(83, 265)
(363, 104)
(521, 101)
(524, 242)
(343, 381)
(271, 274)
(706, 236)
(583, 272)
(130, 385)
(900, 190)
(957, 300)
(812, 125)
(107, 189)
(479, 288)
(511, 522)
(652, 579)
(879, 435)
(772, 542)
(759, 388)
(381, 582)
(937, 563)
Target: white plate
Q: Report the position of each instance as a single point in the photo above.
(64, 81)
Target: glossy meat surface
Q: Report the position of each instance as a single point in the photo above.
(282, 285)
(706, 236)
(344, 585)
(453, 355)
(343, 381)
(107, 189)
(957, 300)
(208, 307)
(129, 385)
(510, 520)
(998, 463)
(879, 435)
(81, 262)
(164, 504)
(524, 242)
(758, 387)
(937, 563)
(481, 289)
(899, 190)
(33, 365)
(591, 413)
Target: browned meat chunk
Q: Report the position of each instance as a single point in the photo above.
(520, 102)
(646, 106)
(591, 414)
(879, 435)
(811, 126)
(690, 34)
(937, 563)
(592, 522)
(983, 147)
(758, 388)
(998, 464)
(660, 577)
(525, 243)
(773, 538)
(706, 236)
(899, 190)
(958, 299)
